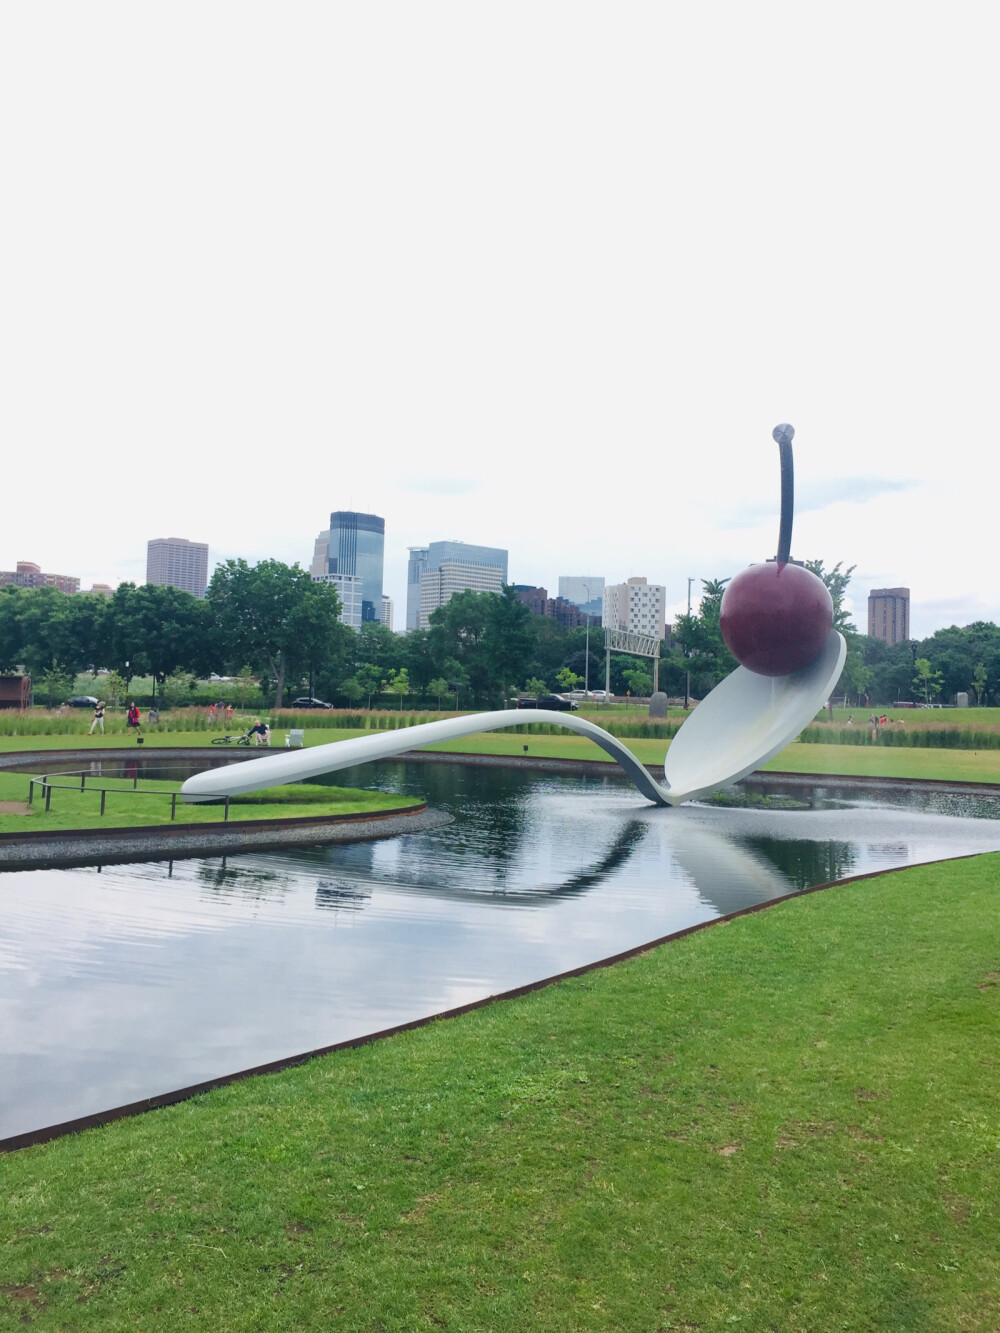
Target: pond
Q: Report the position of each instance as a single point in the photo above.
(129, 981)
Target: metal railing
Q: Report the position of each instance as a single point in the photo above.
(47, 785)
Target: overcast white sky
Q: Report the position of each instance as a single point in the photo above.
(537, 275)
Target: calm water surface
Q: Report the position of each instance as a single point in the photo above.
(133, 980)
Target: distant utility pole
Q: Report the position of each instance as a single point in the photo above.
(687, 653)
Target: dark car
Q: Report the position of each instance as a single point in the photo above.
(82, 701)
(556, 703)
(308, 702)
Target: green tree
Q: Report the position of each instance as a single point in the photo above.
(568, 680)
(702, 650)
(458, 634)
(10, 628)
(438, 688)
(245, 684)
(257, 609)
(927, 681)
(399, 683)
(640, 682)
(115, 688)
(371, 679)
(511, 638)
(351, 689)
(979, 683)
(419, 659)
(376, 645)
(836, 580)
(54, 686)
(321, 644)
(533, 685)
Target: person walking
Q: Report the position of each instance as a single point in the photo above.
(98, 718)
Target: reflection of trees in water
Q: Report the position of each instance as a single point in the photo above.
(342, 896)
(251, 881)
(805, 862)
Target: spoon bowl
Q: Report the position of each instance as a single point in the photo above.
(746, 720)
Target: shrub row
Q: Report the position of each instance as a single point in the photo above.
(942, 738)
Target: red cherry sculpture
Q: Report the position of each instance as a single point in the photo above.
(775, 618)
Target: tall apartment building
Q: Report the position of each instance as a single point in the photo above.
(387, 611)
(889, 614)
(30, 575)
(353, 547)
(477, 565)
(585, 590)
(177, 563)
(635, 605)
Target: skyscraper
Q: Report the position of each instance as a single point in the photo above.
(177, 563)
(450, 567)
(415, 567)
(438, 586)
(585, 590)
(889, 614)
(356, 547)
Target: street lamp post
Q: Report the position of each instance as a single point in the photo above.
(586, 652)
(687, 653)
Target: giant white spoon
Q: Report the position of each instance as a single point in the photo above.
(746, 720)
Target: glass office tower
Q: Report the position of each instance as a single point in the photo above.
(357, 546)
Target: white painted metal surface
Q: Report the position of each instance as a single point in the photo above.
(744, 722)
(297, 765)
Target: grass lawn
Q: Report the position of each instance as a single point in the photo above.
(71, 809)
(787, 1122)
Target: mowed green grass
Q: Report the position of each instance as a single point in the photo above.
(786, 1122)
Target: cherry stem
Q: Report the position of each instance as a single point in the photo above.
(787, 501)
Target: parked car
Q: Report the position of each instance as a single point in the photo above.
(582, 694)
(307, 701)
(557, 703)
(82, 701)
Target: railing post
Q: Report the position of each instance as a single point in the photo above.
(48, 794)
(83, 779)
(103, 795)
(31, 790)
(226, 815)
(173, 806)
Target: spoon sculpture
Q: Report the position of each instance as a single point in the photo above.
(776, 621)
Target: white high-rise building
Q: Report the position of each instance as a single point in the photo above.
(635, 605)
(438, 586)
(349, 590)
(432, 559)
(387, 610)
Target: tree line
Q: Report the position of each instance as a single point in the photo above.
(949, 662)
(272, 621)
